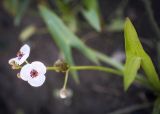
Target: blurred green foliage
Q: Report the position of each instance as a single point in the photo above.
(91, 13)
(67, 12)
(156, 109)
(16, 8)
(62, 23)
(66, 40)
(61, 18)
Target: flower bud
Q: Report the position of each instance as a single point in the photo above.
(18, 75)
(65, 93)
(61, 65)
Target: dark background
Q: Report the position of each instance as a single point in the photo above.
(98, 92)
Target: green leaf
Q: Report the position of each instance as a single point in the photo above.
(16, 8)
(91, 13)
(133, 47)
(27, 33)
(132, 42)
(156, 108)
(68, 56)
(23, 5)
(114, 63)
(64, 38)
(67, 14)
(116, 25)
(131, 68)
(11, 6)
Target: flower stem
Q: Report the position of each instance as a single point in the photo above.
(139, 79)
(26, 62)
(100, 68)
(52, 68)
(66, 79)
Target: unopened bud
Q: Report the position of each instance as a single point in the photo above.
(14, 67)
(13, 64)
(61, 65)
(18, 75)
(65, 93)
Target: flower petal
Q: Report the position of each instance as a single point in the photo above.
(12, 61)
(17, 62)
(25, 49)
(37, 81)
(25, 72)
(39, 66)
(23, 59)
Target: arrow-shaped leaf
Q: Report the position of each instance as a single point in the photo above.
(133, 47)
(131, 68)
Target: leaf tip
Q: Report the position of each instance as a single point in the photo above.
(126, 85)
(127, 21)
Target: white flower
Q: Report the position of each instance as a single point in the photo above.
(34, 73)
(22, 55)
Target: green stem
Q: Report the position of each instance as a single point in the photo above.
(26, 62)
(100, 68)
(66, 79)
(139, 78)
(52, 68)
(17, 67)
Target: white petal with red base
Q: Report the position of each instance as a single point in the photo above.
(22, 55)
(25, 49)
(37, 81)
(25, 72)
(34, 73)
(39, 66)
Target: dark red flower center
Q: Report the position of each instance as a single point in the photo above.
(19, 55)
(33, 73)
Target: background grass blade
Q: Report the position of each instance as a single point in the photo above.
(91, 13)
(66, 40)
